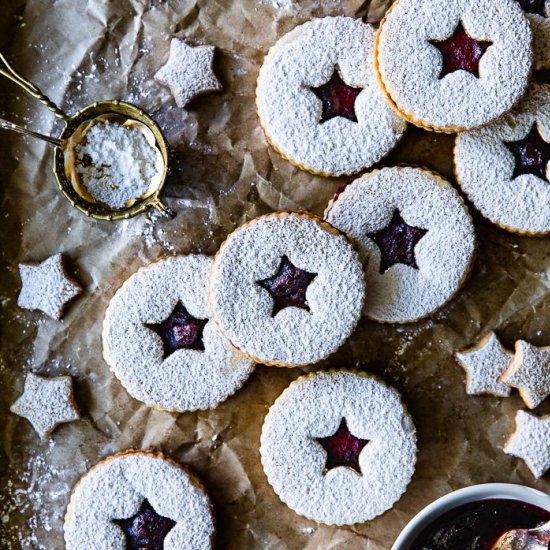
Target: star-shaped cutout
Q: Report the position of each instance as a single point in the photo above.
(46, 286)
(46, 403)
(397, 242)
(146, 530)
(461, 52)
(529, 373)
(337, 97)
(179, 331)
(484, 364)
(531, 154)
(533, 6)
(531, 442)
(288, 286)
(342, 448)
(188, 72)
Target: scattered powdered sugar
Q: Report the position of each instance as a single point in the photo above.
(531, 442)
(313, 407)
(290, 112)
(484, 364)
(46, 286)
(409, 66)
(485, 167)
(116, 488)
(116, 163)
(244, 309)
(187, 379)
(530, 373)
(541, 38)
(444, 255)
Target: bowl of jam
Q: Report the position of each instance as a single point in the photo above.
(474, 518)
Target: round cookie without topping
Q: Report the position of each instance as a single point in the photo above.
(338, 447)
(160, 341)
(453, 66)
(139, 498)
(504, 168)
(287, 289)
(318, 100)
(415, 238)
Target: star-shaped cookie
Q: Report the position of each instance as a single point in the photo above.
(485, 363)
(188, 71)
(46, 286)
(46, 403)
(529, 372)
(531, 442)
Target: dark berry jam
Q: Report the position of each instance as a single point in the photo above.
(531, 154)
(461, 52)
(478, 525)
(338, 98)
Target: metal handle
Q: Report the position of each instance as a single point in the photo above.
(7, 70)
(7, 125)
(163, 209)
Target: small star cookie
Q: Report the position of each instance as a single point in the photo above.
(529, 372)
(188, 72)
(46, 286)
(484, 363)
(531, 442)
(46, 403)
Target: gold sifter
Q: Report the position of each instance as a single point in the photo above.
(74, 132)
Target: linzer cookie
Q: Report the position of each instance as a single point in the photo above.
(287, 289)
(137, 500)
(538, 13)
(318, 100)
(415, 237)
(453, 66)
(338, 447)
(504, 170)
(160, 341)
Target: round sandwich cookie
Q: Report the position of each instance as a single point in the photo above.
(338, 447)
(161, 342)
(454, 66)
(415, 237)
(318, 100)
(504, 167)
(538, 13)
(287, 289)
(139, 499)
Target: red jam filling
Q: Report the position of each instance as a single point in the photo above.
(461, 52)
(288, 286)
(146, 530)
(478, 525)
(180, 331)
(533, 6)
(531, 154)
(397, 243)
(342, 448)
(337, 97)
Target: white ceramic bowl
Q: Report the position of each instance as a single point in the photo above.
(464, 496)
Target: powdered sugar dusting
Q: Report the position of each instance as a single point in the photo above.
(485, 167)
(530, 373)
(541, 38)
(531, 442)
(290, 112)
(443, 255)
(116, 488)
(243, 308)
(410, 66)
(313, 407)
(187, 379)
(484, 364)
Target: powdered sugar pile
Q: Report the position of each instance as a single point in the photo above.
(410, 66)
(116, 488)
(243, 308)
(313, 407)
(116, 163)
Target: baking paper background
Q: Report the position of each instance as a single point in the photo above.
(223, 173)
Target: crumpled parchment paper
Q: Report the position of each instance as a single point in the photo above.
(223, 174)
